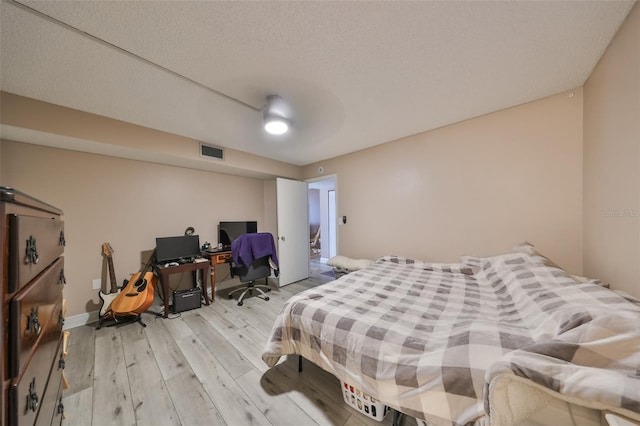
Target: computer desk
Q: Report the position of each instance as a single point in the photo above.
(218, 257)
(165, 271)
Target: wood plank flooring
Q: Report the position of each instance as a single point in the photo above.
(202, 367)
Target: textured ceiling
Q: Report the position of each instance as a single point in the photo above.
(356, 74)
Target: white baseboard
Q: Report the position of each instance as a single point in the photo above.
(91, 317)
(80, 319)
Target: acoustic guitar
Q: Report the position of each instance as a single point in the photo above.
(137, 295)
(107, 298)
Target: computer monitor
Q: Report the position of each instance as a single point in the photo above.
(229, 231)
(171, 249)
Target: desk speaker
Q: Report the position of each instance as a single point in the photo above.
(185, 300)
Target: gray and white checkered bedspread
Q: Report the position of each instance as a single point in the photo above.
(426, 339)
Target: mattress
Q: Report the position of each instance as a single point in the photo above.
(430, 339)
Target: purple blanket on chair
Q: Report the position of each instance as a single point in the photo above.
(249, 247)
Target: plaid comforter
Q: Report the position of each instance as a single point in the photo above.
(427, 339)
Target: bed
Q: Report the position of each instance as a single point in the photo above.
(484, 341)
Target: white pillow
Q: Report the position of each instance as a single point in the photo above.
(348, 263)
(528, 248)
(525, 247)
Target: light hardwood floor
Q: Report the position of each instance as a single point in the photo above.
(203, 367)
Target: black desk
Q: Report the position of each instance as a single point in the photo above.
(165, 271)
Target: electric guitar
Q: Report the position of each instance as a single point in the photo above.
(137, 295)
(107, 298)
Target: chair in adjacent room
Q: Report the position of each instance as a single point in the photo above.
(314, 244)
(259, 268)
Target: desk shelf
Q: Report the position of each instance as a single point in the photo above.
(165, 271)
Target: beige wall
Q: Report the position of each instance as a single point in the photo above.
(476, 187)
(612, 162)
(270, 208)
(54, 125)
(126, 203)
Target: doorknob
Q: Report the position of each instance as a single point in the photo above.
(282, 238)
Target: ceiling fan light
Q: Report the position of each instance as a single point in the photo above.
(276, 125)
(275, 113)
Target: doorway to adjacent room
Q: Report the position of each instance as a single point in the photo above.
(323, 235)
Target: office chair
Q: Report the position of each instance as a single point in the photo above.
(259, 268)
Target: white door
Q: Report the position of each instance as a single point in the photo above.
(293, 230)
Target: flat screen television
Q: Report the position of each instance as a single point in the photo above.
(229, 231)
(172, 249)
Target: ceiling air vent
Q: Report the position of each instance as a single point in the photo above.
(211, 151)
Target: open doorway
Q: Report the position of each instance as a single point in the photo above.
(323, 238)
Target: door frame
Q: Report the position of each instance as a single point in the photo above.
(333, 222)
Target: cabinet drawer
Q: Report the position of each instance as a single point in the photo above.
(222, 258)
(52, 395)
(35, 315)
(27, 391)
(35, 242)
(58, 409)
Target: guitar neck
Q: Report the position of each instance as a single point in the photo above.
(112, 276)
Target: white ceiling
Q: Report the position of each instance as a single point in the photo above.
(356, 74)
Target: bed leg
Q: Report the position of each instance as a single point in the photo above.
(299, 363)
(397, 415)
